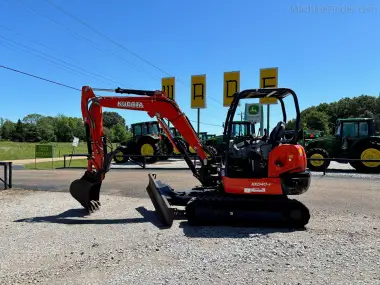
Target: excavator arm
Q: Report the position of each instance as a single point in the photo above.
(155, 104)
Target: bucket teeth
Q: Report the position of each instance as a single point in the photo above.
(93, 206)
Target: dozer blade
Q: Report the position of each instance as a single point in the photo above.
(86, 193)
(158, 193)
(246, 211)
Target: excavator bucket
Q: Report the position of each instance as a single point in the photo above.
(86, 193)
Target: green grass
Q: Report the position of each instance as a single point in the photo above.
(16, 150)
(57, 164)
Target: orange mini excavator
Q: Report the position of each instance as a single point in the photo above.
(251, 186)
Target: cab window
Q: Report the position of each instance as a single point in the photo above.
(253, 131)
(363, 129)
(154, 129)
(145, 130)
(350, 129)
(239, 130)
(234, 130)
(137, 130)
(338, 130)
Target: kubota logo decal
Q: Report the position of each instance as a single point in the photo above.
(130, 104)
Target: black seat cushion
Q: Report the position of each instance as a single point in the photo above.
(277, 134)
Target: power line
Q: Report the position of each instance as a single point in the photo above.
(105, 36)
(206, 124)
(93, 44)
(108, 78)
(116, 43)
(36, 42)
(67, 86)
(97, 46)
(56, 61)
(35, 76)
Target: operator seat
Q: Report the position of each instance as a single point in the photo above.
(277, 134)
(275, 138)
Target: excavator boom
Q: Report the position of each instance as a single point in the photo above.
(86, 189)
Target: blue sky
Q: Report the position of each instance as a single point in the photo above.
(328, 51)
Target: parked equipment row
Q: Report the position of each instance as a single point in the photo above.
(353, 142)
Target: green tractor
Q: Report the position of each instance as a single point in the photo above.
(304, 135)
(354, 139)
(175, 132)
(177, 135)
(312, 134)
(169, 148)
(205, 136)
(145, 140)
(185, 144)
(239, 129)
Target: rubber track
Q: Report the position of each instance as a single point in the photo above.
(246, 211)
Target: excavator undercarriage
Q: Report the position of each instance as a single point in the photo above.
(209, 206)
(250, 187)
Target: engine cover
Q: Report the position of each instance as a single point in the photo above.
(286, 158)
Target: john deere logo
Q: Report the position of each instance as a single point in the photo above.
(253, 109)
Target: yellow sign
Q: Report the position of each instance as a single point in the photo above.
(168, 85)
(231, 86)
(198, 91)
(268, 79)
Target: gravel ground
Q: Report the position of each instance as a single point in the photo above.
(43, 242)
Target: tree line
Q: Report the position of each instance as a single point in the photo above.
(39, 128)
(324, 116)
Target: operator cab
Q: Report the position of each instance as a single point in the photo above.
(243, 129)
(174, 132)
(350, 129)
(150, 128)
(203, 136)
(247, 155)
(145, 128)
